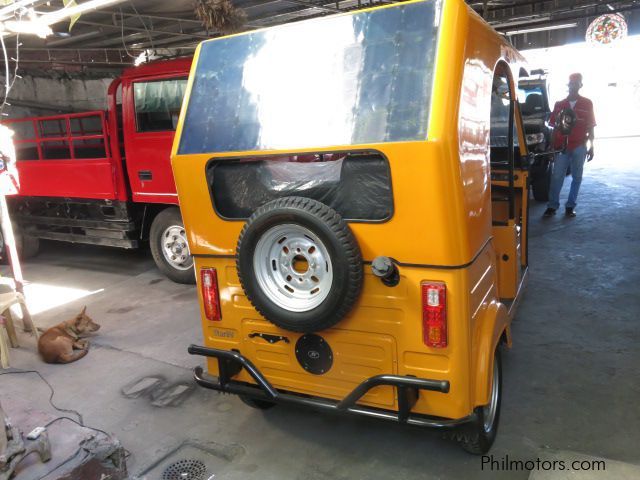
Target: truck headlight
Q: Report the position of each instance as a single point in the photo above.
(535, 138)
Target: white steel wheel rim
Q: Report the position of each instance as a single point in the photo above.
(175, 247)
(279, 262)
(489, 411)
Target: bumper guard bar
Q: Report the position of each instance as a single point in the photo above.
(230, 363)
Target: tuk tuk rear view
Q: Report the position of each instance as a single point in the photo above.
(353, 189)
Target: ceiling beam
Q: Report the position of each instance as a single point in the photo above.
(566, 15)
(319, 6)
(152, 17)
(154, 31)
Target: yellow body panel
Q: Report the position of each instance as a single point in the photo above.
(441, 230)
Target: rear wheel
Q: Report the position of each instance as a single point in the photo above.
(169, 247)
(478, 437)
(257, 403)
(541, 182)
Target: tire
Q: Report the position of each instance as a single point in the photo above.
(167, 237)
(477, 438)
(27, 246)
(299, 230)
(541, 183)
(257, 403)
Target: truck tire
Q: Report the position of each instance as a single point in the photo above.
(541, 183)
(27, 246)
(478, 437)
(299, 264)
(169, 246)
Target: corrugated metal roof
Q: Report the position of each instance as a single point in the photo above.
(113, 36)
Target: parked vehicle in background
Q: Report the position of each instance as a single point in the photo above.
(105, 178)
(533, 96)
(361, 249)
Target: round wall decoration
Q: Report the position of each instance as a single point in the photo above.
(607, 29)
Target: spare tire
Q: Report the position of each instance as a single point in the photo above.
(299, 264)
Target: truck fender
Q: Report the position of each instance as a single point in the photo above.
(493, 324)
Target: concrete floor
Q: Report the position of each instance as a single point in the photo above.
(571, 382)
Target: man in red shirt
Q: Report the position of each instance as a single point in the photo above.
(576, 147)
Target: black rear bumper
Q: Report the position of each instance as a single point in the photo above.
(231, 363)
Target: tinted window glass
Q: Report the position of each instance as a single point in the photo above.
(531, 101)
(157, 104)
(500, 109)
(341, 80)
(357, 186)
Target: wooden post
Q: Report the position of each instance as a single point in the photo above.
(14, 261)
(11, 330)
(4, 441)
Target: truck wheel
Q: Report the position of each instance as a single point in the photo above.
(478, 437)
(27, 246)
(541, 183)
(299, 264)
(169, 247)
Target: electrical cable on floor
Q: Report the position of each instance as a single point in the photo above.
(75, 412)
(79, 422)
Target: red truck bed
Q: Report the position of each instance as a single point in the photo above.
(66, 156)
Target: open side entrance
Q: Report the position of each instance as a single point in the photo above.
(509, 185)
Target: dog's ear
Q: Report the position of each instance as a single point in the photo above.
(84, 309)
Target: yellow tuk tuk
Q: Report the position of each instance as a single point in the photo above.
(354, 191)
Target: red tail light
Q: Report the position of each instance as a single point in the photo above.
(210, 294)
(434, 314)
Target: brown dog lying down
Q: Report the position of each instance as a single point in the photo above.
(64, 343)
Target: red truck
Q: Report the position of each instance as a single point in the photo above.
(105, 178)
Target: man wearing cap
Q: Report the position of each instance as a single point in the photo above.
(576, 147)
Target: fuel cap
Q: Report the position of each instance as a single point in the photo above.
(314, 354)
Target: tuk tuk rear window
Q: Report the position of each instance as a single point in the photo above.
(343, 80)
(356, 185)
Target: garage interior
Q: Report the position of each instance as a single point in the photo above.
(571, 384)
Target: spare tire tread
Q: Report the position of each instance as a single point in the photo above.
(348, 245)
